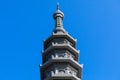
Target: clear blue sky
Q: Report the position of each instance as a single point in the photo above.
(24, 24)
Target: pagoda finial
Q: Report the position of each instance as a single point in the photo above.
(58, 12)
(58, 6)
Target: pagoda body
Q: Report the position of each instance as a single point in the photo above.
(60, 57)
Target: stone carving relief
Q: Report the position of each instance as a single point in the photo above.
(59, 41)
(59, 54)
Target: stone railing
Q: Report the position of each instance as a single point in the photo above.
(62, 42)
(60, 56)
(64, 75)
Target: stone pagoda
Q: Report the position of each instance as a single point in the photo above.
(60, 57)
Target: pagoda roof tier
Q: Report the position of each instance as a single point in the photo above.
(60, 35)
(61, 46)
(72, 62)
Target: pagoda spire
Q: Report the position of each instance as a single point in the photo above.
(58, 17)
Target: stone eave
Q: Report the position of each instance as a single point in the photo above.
(61, 46)
(70, 61)
(56, 35)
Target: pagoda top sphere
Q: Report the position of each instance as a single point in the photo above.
(58, 13)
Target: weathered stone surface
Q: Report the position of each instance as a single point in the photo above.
(60, 57)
